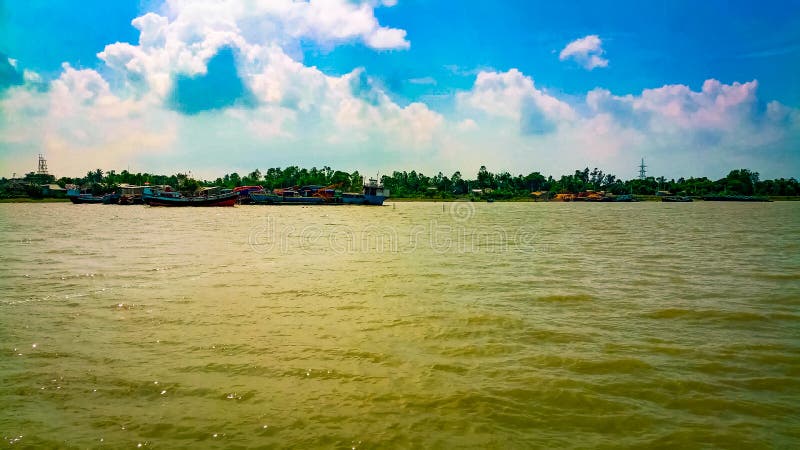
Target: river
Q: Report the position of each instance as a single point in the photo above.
(455, 325)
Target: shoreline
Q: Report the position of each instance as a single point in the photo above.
(33, 200)
(643, 198)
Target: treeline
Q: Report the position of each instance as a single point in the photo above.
(99, 181)
(418, 185)
(505, 185)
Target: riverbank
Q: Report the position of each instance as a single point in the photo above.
(33, 200)
(643, 198)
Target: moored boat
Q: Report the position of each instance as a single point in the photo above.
(625, 198)
(302, 201)
(264, 198)
(353, 198)
(373, 193)
(289, 196)
(171, 198)
(86, 198)
(131, 194)
(676, 199)
(76, 197)
(245, 191)
(111, 199)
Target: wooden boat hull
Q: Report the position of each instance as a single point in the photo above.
(363, 199)
(625, 198)
(302, 201)
(271, 199)
(216, 200)
(81, 199)
(111, 199)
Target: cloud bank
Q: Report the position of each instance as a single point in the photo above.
(215, 86)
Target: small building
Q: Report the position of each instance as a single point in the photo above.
(565, 197)
(540, 195)
(53, 190)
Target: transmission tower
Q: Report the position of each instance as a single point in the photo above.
(642, 171)
(42, 166)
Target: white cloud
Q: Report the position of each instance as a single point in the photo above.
(586, 51)
(31, 77)
(325, 21)
(512, 95)
(80, 124)
(264, 32)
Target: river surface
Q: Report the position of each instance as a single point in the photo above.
(456, 325)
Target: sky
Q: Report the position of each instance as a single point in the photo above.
(216, 86)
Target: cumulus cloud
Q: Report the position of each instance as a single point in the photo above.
(586, 51)
(683, 130)
(80, 123)
(512, 95)
(325, 21)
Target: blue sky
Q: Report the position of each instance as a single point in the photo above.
(651, 44)
(412, 85)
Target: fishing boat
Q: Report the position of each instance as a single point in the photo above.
(294, 196)
(171, 198)
(75, 196)
(264, 198)
(625, 198)
(373, 193)
(245, 191)
(300, 200)
(131, 194)
(111, 199)
(284, 197)
(86, 198)
(127, 200)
